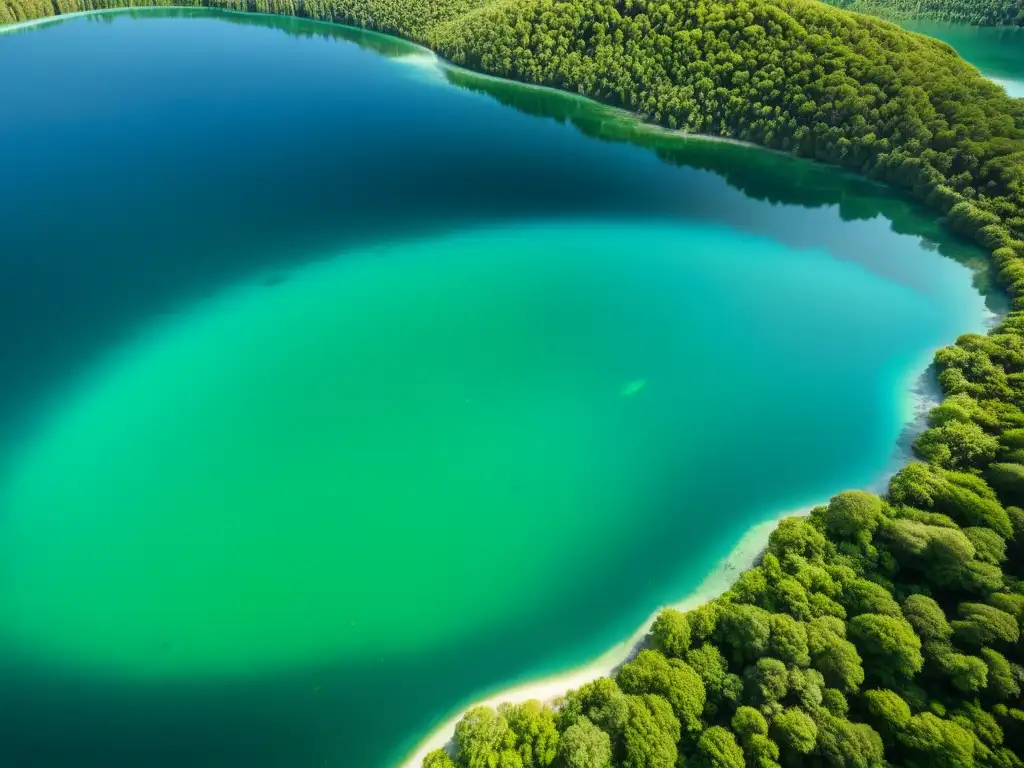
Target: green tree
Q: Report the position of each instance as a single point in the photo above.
(989, 546)
(483, 740)
(722, 688)
(957, 444)
(927, 618)
(651, 734)
(966, 673)
(888, 644)
(796, 536)
(674, 679)
(848, 745)
(853, 516)
(939, 743)
(981, 624)
(765, 682)
(795, 729)
(1002, 683)
(862, 596)
(747, 722)
(833, 655)
(888, 710)
(788, 640)
(671, 633)
(438, 759)
(717, 748)
(584, 745)
(745, 630)
(1008, 479)
(761, 752)
(536, 736)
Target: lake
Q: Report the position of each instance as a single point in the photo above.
(341, 387)
(997, 51)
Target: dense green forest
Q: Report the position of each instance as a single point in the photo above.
(979, 12)
(878, 631)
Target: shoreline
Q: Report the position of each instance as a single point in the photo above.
(746, 553)
(42, 22)
(920, 393)
(748, 548)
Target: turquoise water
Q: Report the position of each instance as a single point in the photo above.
(349, 388)
(997, 51)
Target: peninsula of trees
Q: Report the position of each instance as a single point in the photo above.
(878, 631)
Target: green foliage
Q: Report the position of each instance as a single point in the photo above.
(1011, 603)
(1002, 682)
(965, 498)
(745, 630)
(765, 682)
(651, 734)
(591, 700)
(584, 745)
(926, 617)
(1008, 479)
(984, 625)
(788, 640)
(957, 444)
(748, 722)
(761, 752)
(862, 596)
(796, 536)
(973, 718)
(989, 546)
(888, 709)
(833, 655)
(484, 740)
(889, 646)
(853, 516)
(795, 729)
(965, 673)
(674, 680)
(671, 633)
(835, 702)
(938, 743)
(848, 745)
(717, 748)
(438, 759)
(536, 736)
(722, 687)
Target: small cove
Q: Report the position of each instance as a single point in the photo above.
(468, 289)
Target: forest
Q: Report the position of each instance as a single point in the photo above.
(879, 631)
(978, 12)
(875, 632)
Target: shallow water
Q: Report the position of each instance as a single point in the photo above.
(344, 387)
(997, 51)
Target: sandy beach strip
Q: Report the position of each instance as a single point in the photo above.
(744, 555)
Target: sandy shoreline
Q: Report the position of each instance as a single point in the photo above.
(921, 394)
(744, 555)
